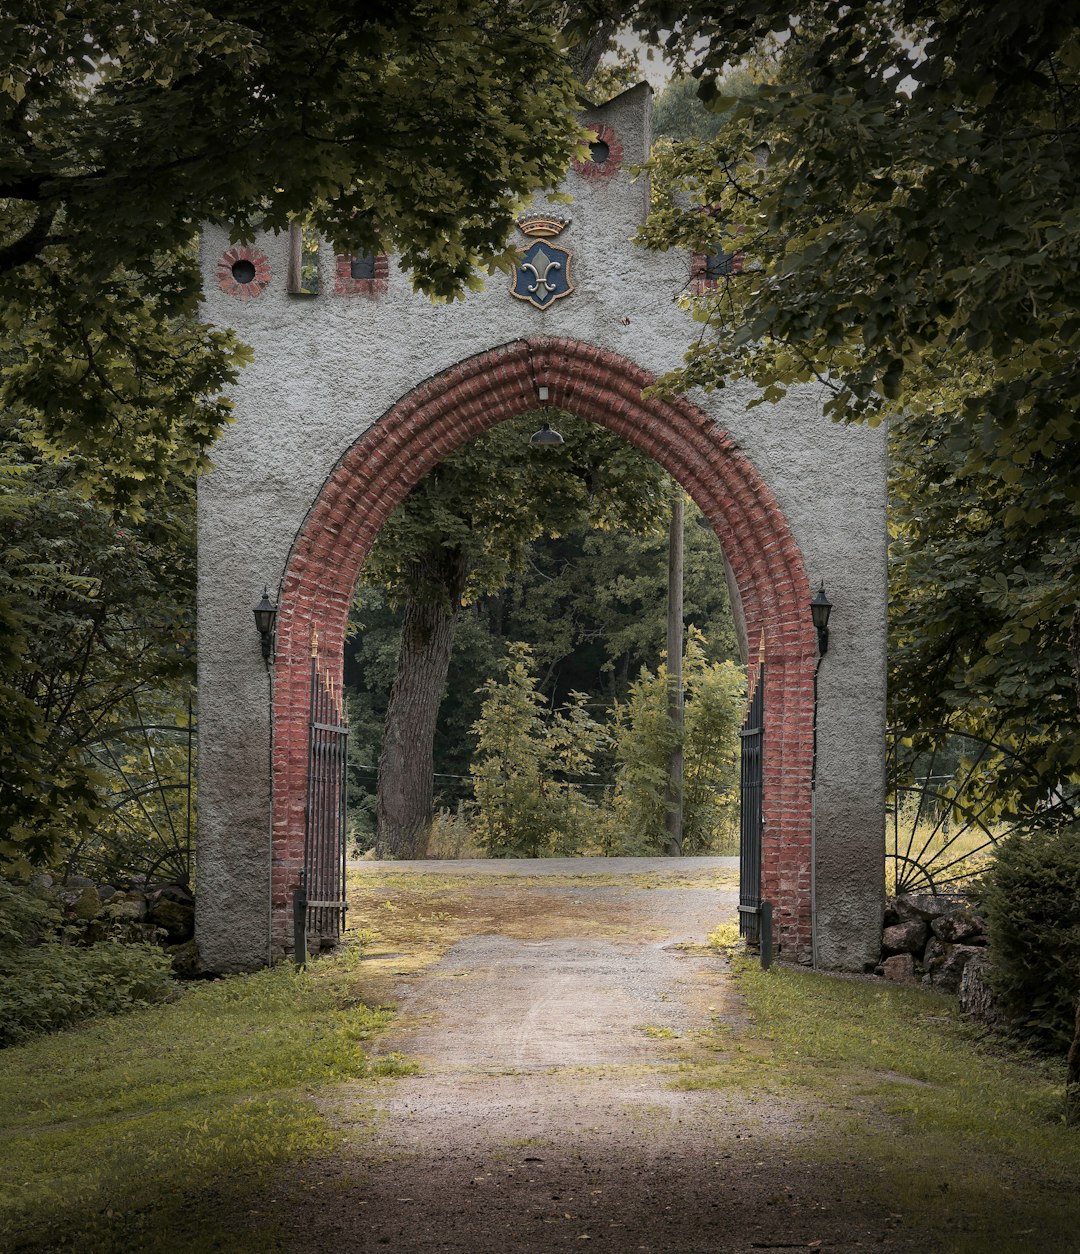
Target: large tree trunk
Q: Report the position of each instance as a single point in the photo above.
(1072, 1077)
(406, 761)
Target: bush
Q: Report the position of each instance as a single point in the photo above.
(46, 985)
(1031, 897)
(528, 769)
(645, 737)
(55, 986)
(26, 915)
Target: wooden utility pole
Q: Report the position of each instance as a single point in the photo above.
(674, 671)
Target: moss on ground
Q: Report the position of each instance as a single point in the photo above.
(146, 1132)
(965, 1135)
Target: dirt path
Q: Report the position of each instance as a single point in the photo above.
(551, 1033)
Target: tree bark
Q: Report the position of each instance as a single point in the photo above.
(585, 55)
(405, 791)
(1074, 645)
(1072, 1075)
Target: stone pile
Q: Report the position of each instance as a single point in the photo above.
(129, 910)
(931, 941)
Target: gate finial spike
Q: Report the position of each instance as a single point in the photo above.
(314, 642)
(761, 646)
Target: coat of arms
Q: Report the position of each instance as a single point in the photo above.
(542, 276)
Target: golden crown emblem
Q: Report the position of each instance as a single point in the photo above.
(542, 225)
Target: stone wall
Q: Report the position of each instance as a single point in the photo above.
(129, 910)
(931, 940)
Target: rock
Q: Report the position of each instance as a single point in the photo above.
(924, 906)
(981, 939)
(106, 891)
(891, 916)
(77, 881)
(905, 938)
(976, 999)
(900, 968)
(933, 954)
(178, 892)
(87, 905)
(958, 925)
(945, 976)
(186, 959)
(177, 919)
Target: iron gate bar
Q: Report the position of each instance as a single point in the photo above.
(321, 895)
(751, 763)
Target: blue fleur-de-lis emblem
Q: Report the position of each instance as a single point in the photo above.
(542, 275)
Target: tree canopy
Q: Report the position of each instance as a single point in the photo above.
(904, 186)
(417, 127)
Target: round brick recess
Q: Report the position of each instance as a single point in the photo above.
(598, 171)
(253, 260)
(450, 409)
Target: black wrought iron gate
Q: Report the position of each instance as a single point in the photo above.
(751, 744)
(321, 898)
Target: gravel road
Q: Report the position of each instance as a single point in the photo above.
(550, 1035)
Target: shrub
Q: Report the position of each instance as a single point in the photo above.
(645, 737)
(529, 802)
(26, 915)
(644, 740)
(715, 697)
(46, 985)
(1031, 896)
(55, 986)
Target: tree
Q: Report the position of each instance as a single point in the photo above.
(644, 739)
(413, 126)
(98, 639)
(461, 533)
(416, 127)
(529, 768)
(909, 245)
(591, 605)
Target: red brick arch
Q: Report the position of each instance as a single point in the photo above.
(454, 407)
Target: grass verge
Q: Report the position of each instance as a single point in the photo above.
(145, 1132)
(934, 1117)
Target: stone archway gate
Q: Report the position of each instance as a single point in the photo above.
(356, 392)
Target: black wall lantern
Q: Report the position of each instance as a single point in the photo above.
(265, 613)
(820, 609)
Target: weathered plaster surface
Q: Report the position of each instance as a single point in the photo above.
(328, 367)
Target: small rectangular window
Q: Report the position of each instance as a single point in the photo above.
(362, 267)
(719, 265)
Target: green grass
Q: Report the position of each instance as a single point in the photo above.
(145, 1131)
(943, 1121)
